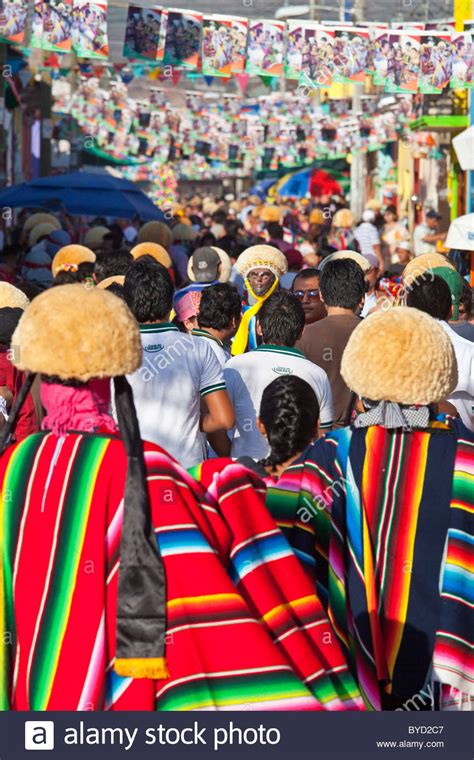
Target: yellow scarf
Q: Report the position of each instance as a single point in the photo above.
(239, 344)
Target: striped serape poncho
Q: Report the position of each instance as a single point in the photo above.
(229, 641)
(384, 520)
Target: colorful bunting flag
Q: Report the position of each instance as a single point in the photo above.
(265, 49)
(51, 27)
(183, 39)
(89, 29)
(142, 32)
(13, 17)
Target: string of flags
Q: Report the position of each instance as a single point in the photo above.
(403, 58)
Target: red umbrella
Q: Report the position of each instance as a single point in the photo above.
(322, 183)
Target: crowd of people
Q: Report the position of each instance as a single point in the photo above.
(237, 460)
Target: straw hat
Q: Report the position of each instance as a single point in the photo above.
(79, 333)
(364, 264)
(401, 355)
(183, 232)
(40, 218)
(343, 218)
(155, 232)
(41, 230)
(94, 237)
(316, 216)
(12, 297)
(423, 265)
(117, 279)
(262, 256)
(71, 254)
(270, 214)
(155, 250)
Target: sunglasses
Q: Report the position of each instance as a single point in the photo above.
(313, 295)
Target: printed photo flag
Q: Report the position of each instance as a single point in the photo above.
(89, 29)
(183, 39)
(142, 32)
(13, 17)
(52, 25)
(462, 60)
(436, 61)
(223, 45)
(351, 48)
(265, 48)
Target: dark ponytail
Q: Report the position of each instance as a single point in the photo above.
(289, 410)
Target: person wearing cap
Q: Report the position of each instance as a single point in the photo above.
(368, 238)
(206, 266)
(280, 322)
(187, 309)
(403, 254)
(177, 371)
(261, 267)
(426, 235)
(342, 290)
(381, 514)
(102, 592)
(460, 242)
(439, 296)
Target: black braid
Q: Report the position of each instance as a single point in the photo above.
(289, 410)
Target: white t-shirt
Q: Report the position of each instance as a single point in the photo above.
(367, 236)
(217, 345)
(176, 371)
(463, 395)
(419, 246)
(246, 378)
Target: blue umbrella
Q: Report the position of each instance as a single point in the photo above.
(83, 194)
(261, 188)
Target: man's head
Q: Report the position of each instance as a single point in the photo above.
(403, 252)
(431, 295)
(305, 287)
(113, 263)
(220, 309)
(275, 231)
(432, 218)
(148, 291)
(281, 319)
(342, 284)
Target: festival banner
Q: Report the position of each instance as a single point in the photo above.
(378, 57)
(142, 32)
(462, 61)
(265, 48)
(403, 61)
(52, 24)
(350, 55)
(13, 17)
(89, 29)
(318, 62)
(224, 42)
(301, 44)
(436, 61)
(183, 39)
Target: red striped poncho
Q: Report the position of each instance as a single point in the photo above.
(244, 628)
